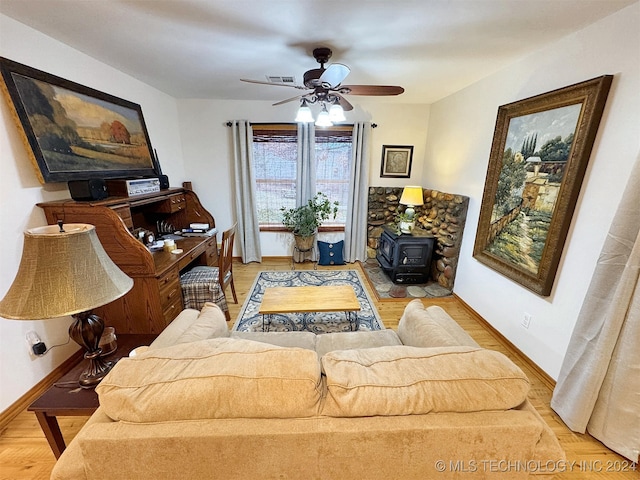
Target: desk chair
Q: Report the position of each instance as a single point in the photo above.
(207, 284)
(226, 261)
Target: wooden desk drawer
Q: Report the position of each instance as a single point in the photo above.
(169, 279)
(173, 203)
(124, 212)
(191, 256)
(171, 311)
(177, 203)
(169, 292)
(212, 252)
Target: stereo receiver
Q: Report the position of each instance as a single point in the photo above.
(128, 188)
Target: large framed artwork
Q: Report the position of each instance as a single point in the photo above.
(541, 147)
(396, 161)
(73, 132)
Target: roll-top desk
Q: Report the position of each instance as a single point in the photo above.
(156, 297)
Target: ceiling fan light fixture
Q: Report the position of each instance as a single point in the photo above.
(323, 118)
(336, 113)
(304, 113)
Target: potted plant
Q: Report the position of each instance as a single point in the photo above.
(304, 221)
(405, 222)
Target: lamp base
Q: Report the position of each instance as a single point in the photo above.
(96, 370)
(86, 332)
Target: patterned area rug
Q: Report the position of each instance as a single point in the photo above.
(249, 320)
(387, 290)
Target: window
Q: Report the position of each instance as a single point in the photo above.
(275, 152)
(333, 168)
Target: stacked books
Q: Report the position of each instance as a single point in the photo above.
(199, 230)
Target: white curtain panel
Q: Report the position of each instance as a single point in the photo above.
(306, 175)
(248, 231)
(306, 166)
(598, 388)
(355, 231)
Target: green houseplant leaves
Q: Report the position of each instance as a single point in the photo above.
(305, 220)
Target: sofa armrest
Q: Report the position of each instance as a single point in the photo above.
(431, 327)
(193, 325)
(176, 328)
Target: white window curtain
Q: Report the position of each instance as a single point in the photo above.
(598, 388)
(306, 166)
(355, 230)
(248, 231)
(305, 173)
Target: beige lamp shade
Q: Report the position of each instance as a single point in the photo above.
(62, 273)
(412, 196)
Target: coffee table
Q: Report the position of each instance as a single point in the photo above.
(330, 298)
(72, 400)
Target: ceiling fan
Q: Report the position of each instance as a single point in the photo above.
(324, 85)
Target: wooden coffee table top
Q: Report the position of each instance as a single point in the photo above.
(330, 298)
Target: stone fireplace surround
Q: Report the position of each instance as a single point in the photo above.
(443, 215)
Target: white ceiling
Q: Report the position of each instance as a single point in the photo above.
(200, 48)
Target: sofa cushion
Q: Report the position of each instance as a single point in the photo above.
(408, 380)
(430, 327)
(216, 378)
(327, 342)
(297, 339)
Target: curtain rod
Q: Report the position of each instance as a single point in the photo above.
(373, 125)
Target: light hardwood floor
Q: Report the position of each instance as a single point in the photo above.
(25, 453)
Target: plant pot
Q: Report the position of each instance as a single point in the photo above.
(304, 244)
(407, 227)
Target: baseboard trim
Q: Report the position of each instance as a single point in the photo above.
(541, 374)
(38, 389)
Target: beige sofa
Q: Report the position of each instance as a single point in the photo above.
(202, 403)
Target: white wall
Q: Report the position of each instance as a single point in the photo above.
(208, 152)
(459, 141)
(20, 189)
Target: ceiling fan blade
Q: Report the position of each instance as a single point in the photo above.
(289, 99)
(370, 90)
(260, 82)
(334, 75)
(344, 103)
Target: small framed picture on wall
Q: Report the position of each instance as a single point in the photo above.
(396, 161)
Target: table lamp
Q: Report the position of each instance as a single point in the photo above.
(64, 270)
(411, 197)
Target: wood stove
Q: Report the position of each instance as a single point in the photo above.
(405, 258)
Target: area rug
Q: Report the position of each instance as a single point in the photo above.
(385, 289)
(249, 320)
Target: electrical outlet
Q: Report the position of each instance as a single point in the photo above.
(36, 346)
(526, 320)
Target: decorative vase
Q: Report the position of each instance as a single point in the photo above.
(304, 244)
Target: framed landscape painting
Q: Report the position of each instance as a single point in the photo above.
(73, 132)
(539, 155)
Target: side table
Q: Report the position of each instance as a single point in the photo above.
(73, 400)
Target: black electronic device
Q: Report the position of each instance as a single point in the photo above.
(164, 182)
(93, 189)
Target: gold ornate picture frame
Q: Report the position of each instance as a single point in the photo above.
(539, 155)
